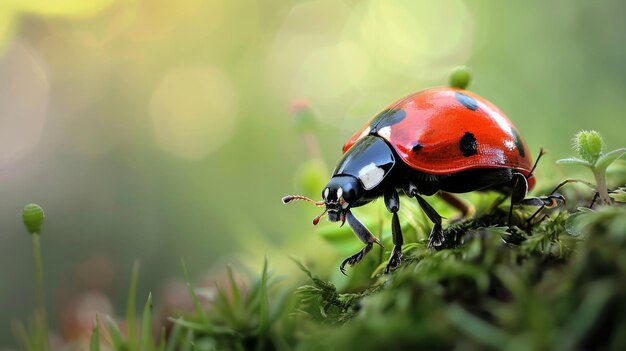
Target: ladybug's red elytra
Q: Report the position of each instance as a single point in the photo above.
(437, 141)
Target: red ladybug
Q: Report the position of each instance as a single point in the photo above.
(440, 140)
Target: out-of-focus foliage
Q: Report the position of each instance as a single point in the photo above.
(12, 10)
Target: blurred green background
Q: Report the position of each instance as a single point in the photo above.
(152, 130)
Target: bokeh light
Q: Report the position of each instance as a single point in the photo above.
(24, 94)
(193, 111)
(414, 38)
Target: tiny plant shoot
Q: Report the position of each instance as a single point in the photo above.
(590, 148)
(33, 217)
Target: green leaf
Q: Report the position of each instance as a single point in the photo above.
(574, 161)
(590, 311)
(94, 343)
(146, 326)
(161, 345)
(188, 341)
(225, 307)
(130, 306)
(22, 336)
(476, 328)
(194, 297)
(189, 325)
(174, 337)
(605, 160)
(116, 336)
(577, 222)
(264, 307)
(234, 287)
(618, 195)
(302, 267)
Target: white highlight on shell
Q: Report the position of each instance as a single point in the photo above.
(326, 193)
(502, 122)
(339, 193)
(509, 144)
(365, 132)
(385, 132)
(371, 175)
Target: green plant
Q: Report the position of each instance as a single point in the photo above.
(36, 336)
(133, 340)
(240, 317)
(589, 146)
(460, 77)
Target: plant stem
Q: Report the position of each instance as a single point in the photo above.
(41, 316)
(601, 188)
(312, 145)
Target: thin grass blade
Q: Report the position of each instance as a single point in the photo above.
(20, 333)
(174, 339)
(146, 343)
(194, 297)
(116, 336)
(131, 307)
(94, 342)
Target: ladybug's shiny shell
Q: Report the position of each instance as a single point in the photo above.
(448, 130)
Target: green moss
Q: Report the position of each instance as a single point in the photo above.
(550, 291)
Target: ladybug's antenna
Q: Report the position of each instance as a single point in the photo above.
(541, 153)
(317, 219)
(289, 198)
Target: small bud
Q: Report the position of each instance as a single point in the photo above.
(33, 218)
(460, 77)
(589, 145)
(303, 115)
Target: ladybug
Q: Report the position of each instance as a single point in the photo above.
(441, 141)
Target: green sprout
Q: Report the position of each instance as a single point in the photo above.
(589, 146)
(460, 77)
(33, 217)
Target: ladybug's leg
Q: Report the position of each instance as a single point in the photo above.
(459, 204)
(518, 193)
(435, 239)
(365, 235)
(392, 202)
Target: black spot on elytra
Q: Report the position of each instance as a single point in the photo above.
(468, 144)
(386, 118)
(466, 100)
(518, 143)
(417, 147)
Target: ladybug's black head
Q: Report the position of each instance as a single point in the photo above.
(341, 192)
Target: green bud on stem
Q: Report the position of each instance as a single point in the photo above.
(460, 77)
(589, 145)
(33, 217)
